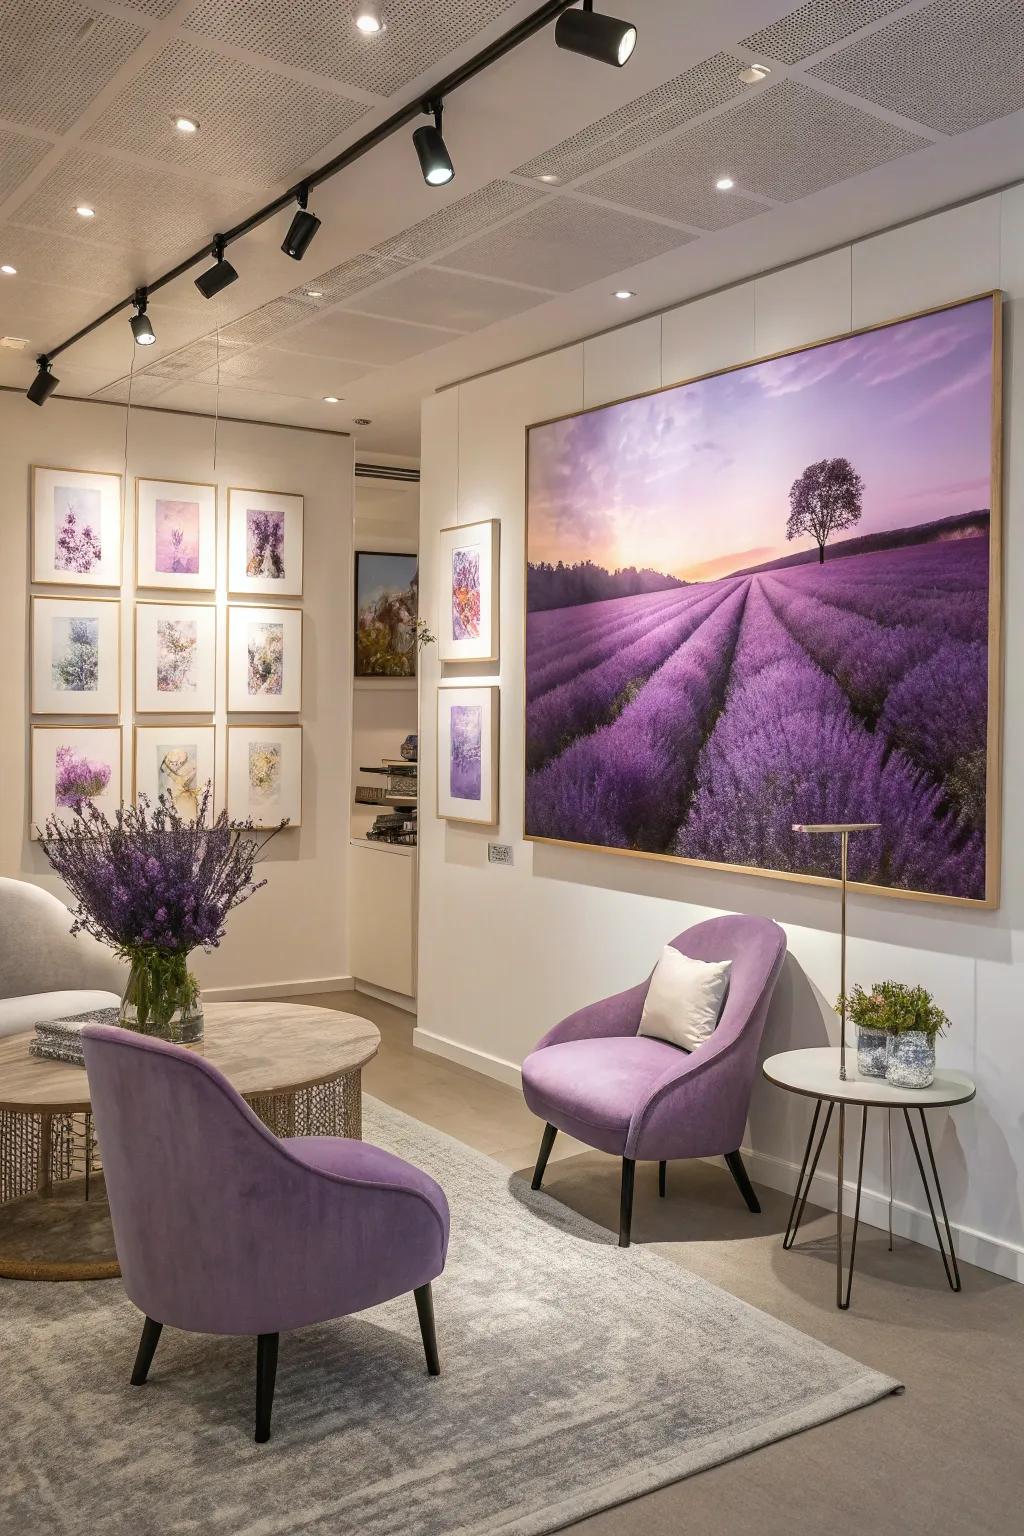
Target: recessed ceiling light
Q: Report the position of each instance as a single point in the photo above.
(85, 212)
(313, 293)
(624, 293)
(331, 400)
(16, 343)
(754, 73)
(725, 184)
(369, 18)
(549, 177)
(186, 125)
(8, 270)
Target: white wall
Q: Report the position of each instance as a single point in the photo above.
(504, 952)
(292, 933)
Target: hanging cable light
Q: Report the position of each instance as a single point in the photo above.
(142, 328)
(301, 229)
(603, 38)
(218, 277)
(435, 161)
(44, 383)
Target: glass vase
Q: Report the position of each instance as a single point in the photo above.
(910, 1062)
(872, 1051)
(162, 998)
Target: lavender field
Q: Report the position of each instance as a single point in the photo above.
(704, 720)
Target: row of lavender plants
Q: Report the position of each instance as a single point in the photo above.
(582, 645)
(544, 629)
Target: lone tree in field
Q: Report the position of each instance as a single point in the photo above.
(825, 499)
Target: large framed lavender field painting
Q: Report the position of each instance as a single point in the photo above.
(771, 596)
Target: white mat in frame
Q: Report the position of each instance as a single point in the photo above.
(177, 761)
(175, 658)
(264, 659)
(265, 774)
(76, 527)
(76, 655)
(71, 764)
(176, 534)
(264, 543)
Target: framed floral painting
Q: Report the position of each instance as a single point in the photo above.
(72, 765)
(467, 754)
(386, 608)
(176, 761)
(467, 625)
(76, 656)
(264, 659)
(176, 535)
(265, 774)
(264, 544)
(175, 658)
(76, 527)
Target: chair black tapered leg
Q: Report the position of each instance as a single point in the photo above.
(662, 1172)
(746, 1189)
(147, 1349)
(547, 1141)
(626, 1201)
(425, 1313)
(266, 1375)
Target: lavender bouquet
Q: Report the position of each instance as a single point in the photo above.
(154, 886)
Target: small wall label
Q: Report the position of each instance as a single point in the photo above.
(499, 853)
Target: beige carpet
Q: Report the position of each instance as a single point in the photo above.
(576, 1375)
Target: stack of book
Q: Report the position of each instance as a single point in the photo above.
(61, 1039)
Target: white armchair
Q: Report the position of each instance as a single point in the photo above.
(46, 972)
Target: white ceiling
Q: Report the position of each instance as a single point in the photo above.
(874, 111)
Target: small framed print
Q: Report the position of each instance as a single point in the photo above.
(72, 765)
(467, 626)
(175, 761)
(175, 658)
(467, 754)
(264, 544)
(76, 527)
(76, 656)
(265, 774)
(175, 535)
(386, 609)
(264, 659)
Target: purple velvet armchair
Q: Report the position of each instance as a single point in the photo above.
(222, 1228)
(595, 1078)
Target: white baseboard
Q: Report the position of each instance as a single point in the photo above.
(278, 989)
(972, 1247)
(396, 999)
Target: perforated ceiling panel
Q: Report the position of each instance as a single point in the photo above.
(952, 66)
(65, 263)
(307, 34)
(565, 244)
(349, 277)
(260, 324)
(640, 122)
(468, 216)
(154, 8)
(364, 338)
(152, 213)
(818, 24)
(255, 125)
(18, 156)
(190, 360)
(289, 373)
(431, 297)
(55, 56)
(141, 389)
(666, 181)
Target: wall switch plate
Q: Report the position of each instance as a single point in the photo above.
(499, 853)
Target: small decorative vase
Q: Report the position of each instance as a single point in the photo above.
(162, 998)
(910, 1062)
(872, 1051)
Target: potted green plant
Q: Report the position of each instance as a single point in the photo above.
(897, 1026)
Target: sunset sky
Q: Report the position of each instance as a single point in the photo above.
(695, 481)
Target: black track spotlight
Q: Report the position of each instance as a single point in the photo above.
(142, 328)
(603, 38)
(435, 161)
(301, 230)
(44, 383)
(218, 277)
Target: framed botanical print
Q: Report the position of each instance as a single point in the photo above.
(175, 658)
(467, 754)
(176, 535)
(76, 527)
(264, 544)
(467, 625)
(265, 774)
(76, 656)
(175, 761)
(264, 659)
(386, 607)
(71, 765)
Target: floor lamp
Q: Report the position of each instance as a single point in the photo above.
(842, 829)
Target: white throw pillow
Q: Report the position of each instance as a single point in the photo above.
(684, 999)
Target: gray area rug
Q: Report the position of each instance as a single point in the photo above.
(575, 1375)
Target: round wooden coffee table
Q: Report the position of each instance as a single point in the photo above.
(297, 1067)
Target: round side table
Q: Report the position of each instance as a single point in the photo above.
(298, 1067)
(814, 1073)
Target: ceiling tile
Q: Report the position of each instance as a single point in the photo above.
(815, 26)
(432, 297)
(306, 34)
(566, 243)
(58, 55)
(133, 389)
(667, 181)
(350, 276)
(268, 320)
(288, 373)
(671, 105)
(62, 261)
(468, 216)
(365, 338)
(952, 66)
(155, 8)
(206, 352)
(19, 156)
(253, 124)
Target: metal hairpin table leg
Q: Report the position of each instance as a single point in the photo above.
(803, 1189)
(843, 1301)
(952, 1274)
